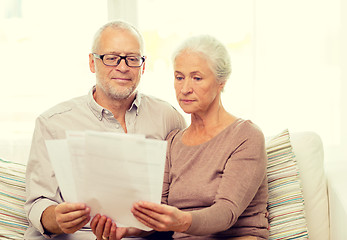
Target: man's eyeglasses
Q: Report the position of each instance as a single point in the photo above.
(114, 60)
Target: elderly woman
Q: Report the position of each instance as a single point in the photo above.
(215, 184)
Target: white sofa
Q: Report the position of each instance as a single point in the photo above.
(308, 156)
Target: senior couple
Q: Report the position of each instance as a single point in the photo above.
(215, 184)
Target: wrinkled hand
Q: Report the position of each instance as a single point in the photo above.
(71, 217)
(161, 217)
(104, 228)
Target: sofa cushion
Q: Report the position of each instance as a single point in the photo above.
(286, 202)
(13, 222)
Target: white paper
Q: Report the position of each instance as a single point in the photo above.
(58, 152)
(112, 171)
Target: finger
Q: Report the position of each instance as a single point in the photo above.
(63, 217)
(69, 222)
(113, 232)
(148, 213)
(100, 227)
(70, 207)
(107, 228)
(147, 223)
(76, 227)
(145, 219)
(155, 207)
(94, 222)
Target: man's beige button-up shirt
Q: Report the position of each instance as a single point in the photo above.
(149, 116)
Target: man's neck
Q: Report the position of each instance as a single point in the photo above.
(118, 107)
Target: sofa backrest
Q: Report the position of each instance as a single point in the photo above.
(305, 149)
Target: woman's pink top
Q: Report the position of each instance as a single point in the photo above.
(222, 182)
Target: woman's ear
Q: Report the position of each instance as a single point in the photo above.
(221, 87)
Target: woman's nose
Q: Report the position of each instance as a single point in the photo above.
(186, 87)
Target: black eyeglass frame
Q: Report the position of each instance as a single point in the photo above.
(143, 58)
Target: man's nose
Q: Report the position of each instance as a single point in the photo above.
(122, 65)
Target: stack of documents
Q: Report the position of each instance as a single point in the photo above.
(109, 171)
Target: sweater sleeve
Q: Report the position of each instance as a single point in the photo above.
(166, 181)
(244, 172)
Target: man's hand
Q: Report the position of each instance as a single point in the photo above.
(65, 217)
(104, 228)
(161, 217)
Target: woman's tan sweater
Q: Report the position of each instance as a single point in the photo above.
(222, 182)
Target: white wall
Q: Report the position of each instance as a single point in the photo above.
(297, 72)
(337, 178)
(286, 74)
(123, 9)
(343, 29)
(44, 59)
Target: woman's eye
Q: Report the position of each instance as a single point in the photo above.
(179, 78)
(197, 78)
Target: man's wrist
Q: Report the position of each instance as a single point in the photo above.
(49, 222)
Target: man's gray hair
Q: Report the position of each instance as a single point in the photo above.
(214, 51)
(118, 24)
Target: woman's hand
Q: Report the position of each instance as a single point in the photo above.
(104, 228)
(161, 217)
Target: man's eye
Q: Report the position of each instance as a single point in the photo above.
(133, 59)
(110, 58)
(197, 78)
(179, 78)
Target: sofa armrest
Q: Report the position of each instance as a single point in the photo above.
(337, 180)
(309, 153)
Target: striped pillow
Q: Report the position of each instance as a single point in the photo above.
(13, 222)
(286, 202)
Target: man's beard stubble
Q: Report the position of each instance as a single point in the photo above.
(121, 95)
(116, 94)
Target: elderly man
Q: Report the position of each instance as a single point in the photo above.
(112, 105)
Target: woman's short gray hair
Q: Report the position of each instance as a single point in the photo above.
(214, 51)
(118, 24)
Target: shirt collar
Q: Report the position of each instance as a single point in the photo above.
(136, 103)
(97, 110)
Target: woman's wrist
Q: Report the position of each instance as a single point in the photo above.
(135, 232)
(187, 221)
(145, 233)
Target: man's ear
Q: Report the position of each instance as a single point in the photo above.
(144, 65)
(91, 63)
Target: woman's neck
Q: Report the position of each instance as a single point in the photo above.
(204, 127)
(210, 120)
